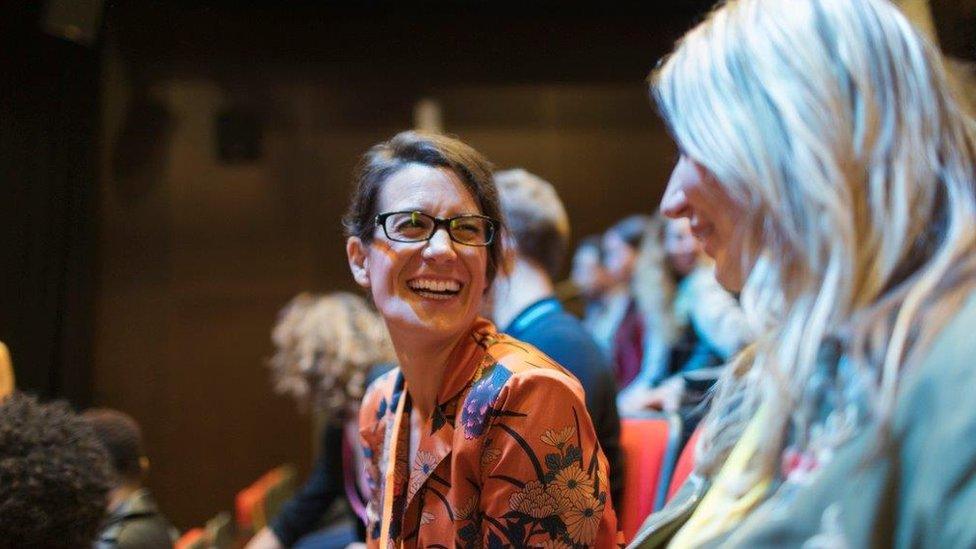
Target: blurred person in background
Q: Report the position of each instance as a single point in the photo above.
(477, 439)
(692, 325)
(524, 303)
(134, 520)
(618, 325)
(326, 348)
(829, 169)
(588, 281)
(54, 476)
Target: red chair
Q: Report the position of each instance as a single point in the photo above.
(192, 539)
(250, 502)
(649, 446)
(686, 463)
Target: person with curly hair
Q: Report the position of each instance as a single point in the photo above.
(54, 476)
(326, 348)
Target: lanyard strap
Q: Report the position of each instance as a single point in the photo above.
(390, 473)
(528, 316)
(350, 469)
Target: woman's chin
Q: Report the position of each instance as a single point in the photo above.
(433, 319)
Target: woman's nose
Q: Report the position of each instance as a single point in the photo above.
(440, 247)
(674, 203)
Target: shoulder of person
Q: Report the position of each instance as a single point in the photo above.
(523, 359)
(944, 379)
(529, 370)
(376, 399)
(381, 385)
(146, 532)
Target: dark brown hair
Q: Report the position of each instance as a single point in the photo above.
(412, 147)
(121, 437)
(631, 229)
(54, 477)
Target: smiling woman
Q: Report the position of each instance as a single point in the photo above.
(460, 438)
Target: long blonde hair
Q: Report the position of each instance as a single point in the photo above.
(325, 347)
(832, 124)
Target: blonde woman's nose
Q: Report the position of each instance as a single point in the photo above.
(674, 204)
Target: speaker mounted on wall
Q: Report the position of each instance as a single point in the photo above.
(74, 20)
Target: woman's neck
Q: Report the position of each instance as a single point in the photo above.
(424, 364)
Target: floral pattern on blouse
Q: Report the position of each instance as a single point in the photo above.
(508, 458)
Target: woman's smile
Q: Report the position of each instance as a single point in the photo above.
(439, 289)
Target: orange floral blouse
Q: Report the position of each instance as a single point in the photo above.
(509, 457)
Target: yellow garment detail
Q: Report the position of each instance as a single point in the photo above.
(6, 372)
(724, 507)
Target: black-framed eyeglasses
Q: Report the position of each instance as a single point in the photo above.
(413, 226)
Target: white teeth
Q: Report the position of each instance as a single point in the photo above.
(434, 285)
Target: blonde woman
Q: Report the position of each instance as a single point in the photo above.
(692, 325)
(326, 347)
(828, 169)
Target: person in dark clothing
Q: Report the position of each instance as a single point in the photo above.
(134, 521)
(328, 350)
(334, 476)
(327, 483)
(524, 304)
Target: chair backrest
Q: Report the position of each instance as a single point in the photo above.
(685, 464)
(649, 446)
(220, 531)
(279, 492)
(195, 538)
(249, 504)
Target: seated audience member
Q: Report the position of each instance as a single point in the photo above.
(476, 439)
(326, 346)
(54, 476)
(588, 279)
(618, 327)
(134, 521)
(830, 170)
(525, 307)
(692, 324)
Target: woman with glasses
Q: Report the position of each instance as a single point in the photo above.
(829, 169)
(477, 439)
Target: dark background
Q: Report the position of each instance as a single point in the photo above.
(174, 172)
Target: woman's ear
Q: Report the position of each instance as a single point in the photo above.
(356, 253)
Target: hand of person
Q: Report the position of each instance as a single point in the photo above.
(666, 398)
(265, 539)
